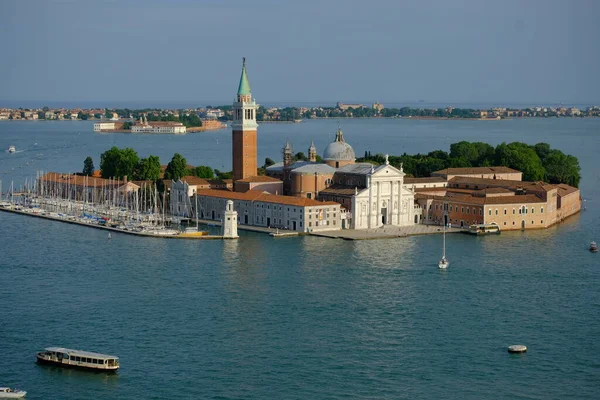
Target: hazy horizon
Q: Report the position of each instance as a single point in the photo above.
(397, 52)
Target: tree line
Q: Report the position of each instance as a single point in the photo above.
(118, 163)
(538, 162)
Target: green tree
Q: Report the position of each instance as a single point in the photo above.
(223, 175)
(562, 168)
(458, 162)
(107, 113)
(88, 166)
(300, 156)
(97, 116)
(202, 171)
(268, 162)
(464, 150)
(148, 169)
(117, 163)
(176, 167)
(428, 165)
(522, 157)
(542, 150)
(127, 125)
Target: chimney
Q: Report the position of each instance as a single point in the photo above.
(125, 180)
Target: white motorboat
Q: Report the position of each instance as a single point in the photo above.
(443, 263)
(593, 247)
(12, 149)
(8, 393)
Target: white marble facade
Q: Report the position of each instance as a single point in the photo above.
(385, 200)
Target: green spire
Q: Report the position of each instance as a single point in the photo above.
(244, 88)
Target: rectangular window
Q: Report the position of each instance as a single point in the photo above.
(542, 210)
(513, 211)
(496, 211)
(505, 211)
(490, 211)
(532, 210)
(309, 224)
(462, 209)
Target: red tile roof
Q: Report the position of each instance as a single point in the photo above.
(81, 180)
(258, 179)
(477, 170)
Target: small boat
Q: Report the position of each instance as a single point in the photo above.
(70, 358)
(109, 236)
(12, 149)
(443, 263)
(484, 229)
(593, 247)
(8, 393)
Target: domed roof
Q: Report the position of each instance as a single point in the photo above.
(339, 150)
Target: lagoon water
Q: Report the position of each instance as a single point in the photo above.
(305, 317)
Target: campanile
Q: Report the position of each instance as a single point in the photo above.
(244, 130)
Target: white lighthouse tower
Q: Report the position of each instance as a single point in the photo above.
(229, 227)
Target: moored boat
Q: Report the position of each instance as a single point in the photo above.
(593, 247)
(70, 358)
(8, 393)
(484, 229)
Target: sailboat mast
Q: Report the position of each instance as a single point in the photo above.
(444, 246)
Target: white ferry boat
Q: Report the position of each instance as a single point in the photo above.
(78, 359)
(8, 393)
(484, 229)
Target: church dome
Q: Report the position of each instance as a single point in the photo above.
(339, 150)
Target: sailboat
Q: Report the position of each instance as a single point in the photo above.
(443, 264)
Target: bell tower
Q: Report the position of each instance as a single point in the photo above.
(312, 152)
(244, 126)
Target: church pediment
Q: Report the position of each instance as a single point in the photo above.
(387, 170)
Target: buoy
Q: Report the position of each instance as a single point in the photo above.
(517, 348)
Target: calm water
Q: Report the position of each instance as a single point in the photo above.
(301, 317)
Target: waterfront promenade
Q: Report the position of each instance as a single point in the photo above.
(385, 232)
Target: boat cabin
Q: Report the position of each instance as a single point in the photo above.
(78, 358)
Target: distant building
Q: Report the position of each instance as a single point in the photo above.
(214, 113)
(378, 106)
(158, 127)
(344, 107)
(104, 126)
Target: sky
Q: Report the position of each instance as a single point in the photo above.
(392, 51)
